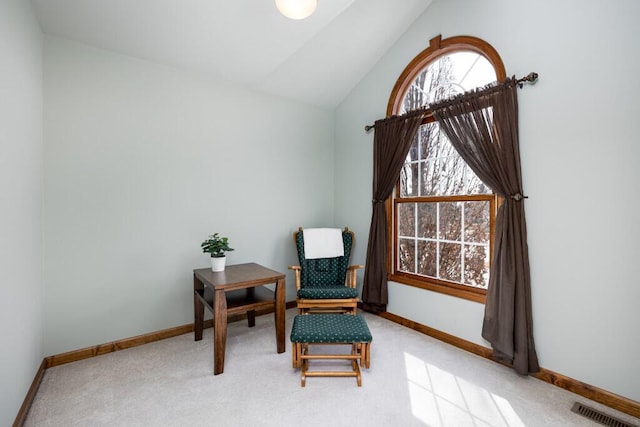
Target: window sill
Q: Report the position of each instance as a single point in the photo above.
(458, 291)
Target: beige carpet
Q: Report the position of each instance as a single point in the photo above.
(414, 380)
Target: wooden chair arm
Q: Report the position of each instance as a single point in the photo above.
(297, 270)
(352, 272)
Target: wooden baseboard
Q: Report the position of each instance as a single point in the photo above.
(442, 336)
(75, 355)
(612, 400)
(596, 394)
(97, 350)
(31, 394)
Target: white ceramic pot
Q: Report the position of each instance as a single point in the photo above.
(218, 263)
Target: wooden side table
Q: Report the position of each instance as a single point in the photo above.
(237, 289)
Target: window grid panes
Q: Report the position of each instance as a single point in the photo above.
(447, 241)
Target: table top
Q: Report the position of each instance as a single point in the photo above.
(238, 276)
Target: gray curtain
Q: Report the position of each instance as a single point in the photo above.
(483, 127)
(391, 143)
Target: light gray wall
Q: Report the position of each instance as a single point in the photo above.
(579, 129)
(21, 288)
(142, 163)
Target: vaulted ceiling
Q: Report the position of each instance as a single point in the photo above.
(317, 60)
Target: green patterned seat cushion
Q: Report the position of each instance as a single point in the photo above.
(324, 272)
(330, 328)
(336, 292)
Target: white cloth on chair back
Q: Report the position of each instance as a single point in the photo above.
(322, 243)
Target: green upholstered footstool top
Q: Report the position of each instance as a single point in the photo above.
(330, 328)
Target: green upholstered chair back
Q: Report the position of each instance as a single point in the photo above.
(324, 272)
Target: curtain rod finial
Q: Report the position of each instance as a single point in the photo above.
(531, 78)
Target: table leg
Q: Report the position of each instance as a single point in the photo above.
(198, 309)
(280, 314)
(219, 331)
(251, 314)
(251, 318)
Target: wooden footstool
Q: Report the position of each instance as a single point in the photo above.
(327, 329)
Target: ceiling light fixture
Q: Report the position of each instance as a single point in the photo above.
(296, 9)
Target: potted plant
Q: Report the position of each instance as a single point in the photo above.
(216, 246)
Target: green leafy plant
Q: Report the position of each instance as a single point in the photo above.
(216, 246)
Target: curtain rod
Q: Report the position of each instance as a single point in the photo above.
(530, 78)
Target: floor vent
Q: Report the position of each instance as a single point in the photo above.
(599, 417)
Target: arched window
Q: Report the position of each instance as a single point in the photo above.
(442, 214)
